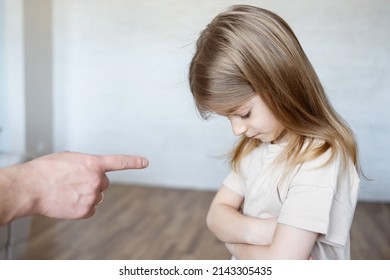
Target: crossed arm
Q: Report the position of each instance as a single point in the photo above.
(253, 238)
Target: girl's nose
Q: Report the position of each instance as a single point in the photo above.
(238, 127)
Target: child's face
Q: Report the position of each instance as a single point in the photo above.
(254, 120)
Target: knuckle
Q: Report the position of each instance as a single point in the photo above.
(95, 182)
(92, 162)
(121, 163)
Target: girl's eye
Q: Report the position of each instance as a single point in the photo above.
(246, 116)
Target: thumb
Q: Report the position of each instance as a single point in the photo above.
(123, 162)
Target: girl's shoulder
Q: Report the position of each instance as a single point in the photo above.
(326, 169)
(323, 155)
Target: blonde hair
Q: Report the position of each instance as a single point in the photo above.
(247, 51)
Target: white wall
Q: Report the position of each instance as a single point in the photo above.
(2, 69)
(120, 82)
(25, 84)
(12, 99)
(37, 25)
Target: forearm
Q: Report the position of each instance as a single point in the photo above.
(15, 201)
(230, 226)
(289, 243)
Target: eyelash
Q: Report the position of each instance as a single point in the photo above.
(246, 116)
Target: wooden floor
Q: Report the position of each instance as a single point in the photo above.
(143, 223)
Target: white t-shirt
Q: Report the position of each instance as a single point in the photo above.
(314, 198)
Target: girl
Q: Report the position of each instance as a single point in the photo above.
(293, 187)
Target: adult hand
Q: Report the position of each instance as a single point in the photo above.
(64, 185)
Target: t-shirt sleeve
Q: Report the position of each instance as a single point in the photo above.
(235, 182)
(307, 207)
(310, 196)
(322, 200)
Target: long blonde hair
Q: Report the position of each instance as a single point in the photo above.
(247, 51)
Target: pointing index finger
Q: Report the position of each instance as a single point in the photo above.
(123, 162)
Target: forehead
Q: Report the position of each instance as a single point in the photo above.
(234, 108)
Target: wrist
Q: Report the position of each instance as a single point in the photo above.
(28, 188)
(21, 193)
(9, 203)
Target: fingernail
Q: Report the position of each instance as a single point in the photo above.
(145, 162)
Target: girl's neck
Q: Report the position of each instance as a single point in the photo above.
(282, 138)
